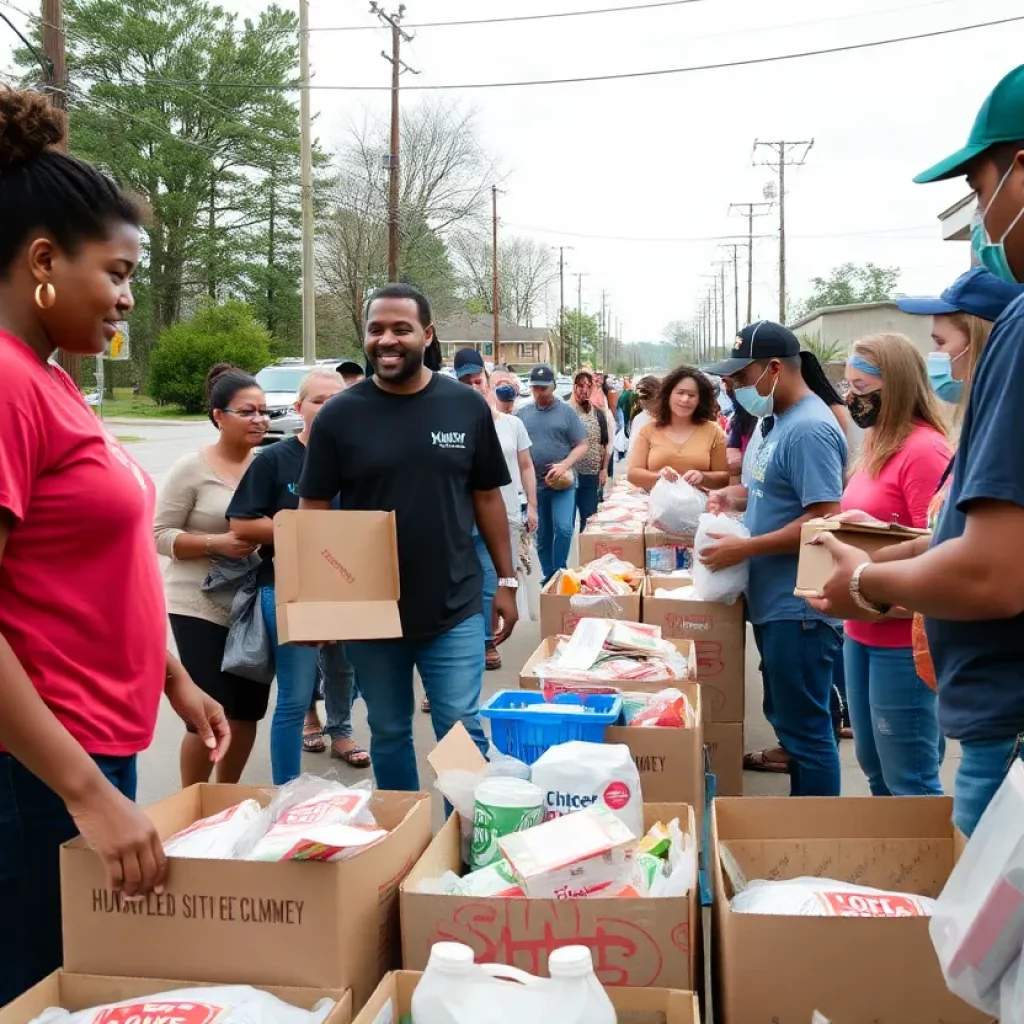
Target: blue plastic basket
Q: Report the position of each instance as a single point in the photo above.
(520, 730)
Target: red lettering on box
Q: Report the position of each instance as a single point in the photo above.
(569, 622)
(709, 659)
(682, 625)
(160, 1013)
(522, 932)
(855, 904)
(603, 547)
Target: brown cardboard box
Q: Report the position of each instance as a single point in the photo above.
(559, 613)
(75, 992)
(666, 552)
(336, 576)
(850, 969)
(393, 1000)
(815, 564)
(719, 633)
(290, 923)
(627, 546)
(638, 942)
(724, 742)
(528, 679)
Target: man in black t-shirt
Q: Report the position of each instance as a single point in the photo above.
(417, 443)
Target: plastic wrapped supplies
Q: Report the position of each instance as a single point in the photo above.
(216, 837)
(826, 897)
(607, 576)
(676, 506)
(724, 585)
(226, 1004)
(665, 709)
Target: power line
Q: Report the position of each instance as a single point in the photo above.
(516, 17)
(661, 72)
(870, 233)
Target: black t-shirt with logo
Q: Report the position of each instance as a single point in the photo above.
(421, 456)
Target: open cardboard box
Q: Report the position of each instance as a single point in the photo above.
(782, 968)
(594, 543)
(718, 632)
(666, 552)
(76, 992)
(393, 1001)
(724, 744)
(638, 942)
(559, 613)
(815, 563)
(336, 576)
(309, 924)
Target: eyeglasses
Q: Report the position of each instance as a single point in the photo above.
(249, 414)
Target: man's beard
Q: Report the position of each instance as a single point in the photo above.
(408, 367)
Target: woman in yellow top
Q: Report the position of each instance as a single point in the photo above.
(683, 438)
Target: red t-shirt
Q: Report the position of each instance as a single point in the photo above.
(900, 493)
(81, 600)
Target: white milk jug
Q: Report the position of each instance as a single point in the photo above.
(454, 990)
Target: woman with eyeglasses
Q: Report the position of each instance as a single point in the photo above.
(191, 528)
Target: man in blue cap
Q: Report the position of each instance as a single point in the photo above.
(969, 584)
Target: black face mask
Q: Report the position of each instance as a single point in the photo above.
(864, 409)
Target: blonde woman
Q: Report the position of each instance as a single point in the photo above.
(894, 713)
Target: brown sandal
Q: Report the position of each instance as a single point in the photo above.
(313, 741)
(758, 761)
(355, 756)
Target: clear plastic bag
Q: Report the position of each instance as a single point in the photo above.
(725, 585)
(215, 837)
(676, 506)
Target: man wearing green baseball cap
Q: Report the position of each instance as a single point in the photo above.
(968, 578)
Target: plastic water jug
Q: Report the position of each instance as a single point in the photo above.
(454, 990)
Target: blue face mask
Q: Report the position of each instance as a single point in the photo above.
(505, 393)
(753, 401)
(940, 375)
(992, 255)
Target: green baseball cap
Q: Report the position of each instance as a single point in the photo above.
(1001, 119)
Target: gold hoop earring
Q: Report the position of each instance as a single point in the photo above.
(46, 296)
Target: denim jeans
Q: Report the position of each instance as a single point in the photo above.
(588, 493)
(33, 824)
(556, 517)
(983, 766)
(338, 679)
(490, 583)
(895, 718)
(840, 704)
(451, 666)
(797, 658)
(297, 672)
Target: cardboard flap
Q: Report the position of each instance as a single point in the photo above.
(338, 620)
(455, 752)
(881, 530)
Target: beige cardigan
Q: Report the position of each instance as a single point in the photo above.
(193, 499)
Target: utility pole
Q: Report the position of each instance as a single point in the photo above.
(579, 318)
(494, 247)
(561, 307)
(398, 66)
(306, 189)
(750, 207)
(780, 161)
(604, 335)
(735, 247)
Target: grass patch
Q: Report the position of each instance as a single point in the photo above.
(128, 404)
(129, 438)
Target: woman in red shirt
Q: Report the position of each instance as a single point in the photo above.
(83, 658)
(893, 713)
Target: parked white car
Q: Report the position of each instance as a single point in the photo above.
(280, 382)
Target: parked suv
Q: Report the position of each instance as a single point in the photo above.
(280, 382)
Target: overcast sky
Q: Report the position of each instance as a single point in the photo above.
(663, 157)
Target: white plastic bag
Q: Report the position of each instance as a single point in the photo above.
(216, 837)
(676, 506)
(827, 897)
(223, 1004)
(725, 585)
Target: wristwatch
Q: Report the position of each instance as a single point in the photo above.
(508, 581)
(859, 599)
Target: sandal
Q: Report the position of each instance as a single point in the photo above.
(758, 761)
(425, 706)
(846, 733)
(313, 741)
(355, 756)
(492, 657)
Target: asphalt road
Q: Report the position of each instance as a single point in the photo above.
(158, 448)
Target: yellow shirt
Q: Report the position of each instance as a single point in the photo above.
(704, 449)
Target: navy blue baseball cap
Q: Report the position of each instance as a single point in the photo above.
(976, 292)
(467, 362)
(763, 339)
(542, 376)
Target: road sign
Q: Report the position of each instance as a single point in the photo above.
(118, 348)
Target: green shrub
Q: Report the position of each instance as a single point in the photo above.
(185, 352)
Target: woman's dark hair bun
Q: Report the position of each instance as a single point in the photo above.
(28, 126)
(215, 371)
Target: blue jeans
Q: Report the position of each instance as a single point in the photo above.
(33, 824)
(797, 658)
(983, 766)
(490, 583)
(297, 673)
(588, 493)
(339, 690)
(556, 517)
(451, 666)
(895, 719)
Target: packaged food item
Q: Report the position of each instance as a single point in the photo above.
(222, 1004)
(826, 897)
(664, 709)
(502, 805)
(577, 775)
(215, 837)
(496, 879)
(657, 841)
(572, 856)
